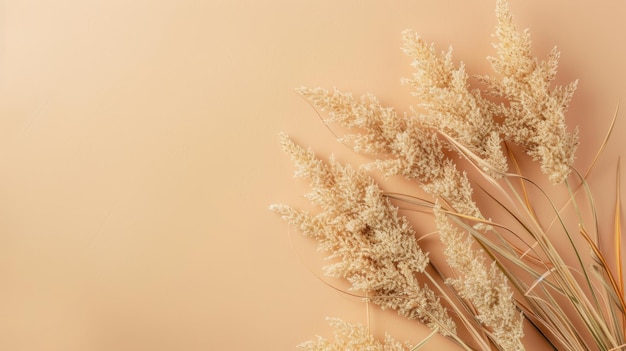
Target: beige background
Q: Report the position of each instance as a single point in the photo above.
(138, 156)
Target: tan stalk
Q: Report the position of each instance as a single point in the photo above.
(618, 240)
(604, 143)
(598, 271)
(578, 298)
(539, 280)
(476, 334)
(605, 266)
(425, 340)
(562, 327)
(522, 184)
(610, 301)
(618, 232)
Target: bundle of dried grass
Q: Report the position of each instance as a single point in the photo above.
(502, 273)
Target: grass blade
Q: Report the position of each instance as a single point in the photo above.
(604, 143)
(618, 233)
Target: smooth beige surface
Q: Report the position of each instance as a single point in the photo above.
(138, 156)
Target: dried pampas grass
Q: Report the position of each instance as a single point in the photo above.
(501, 274)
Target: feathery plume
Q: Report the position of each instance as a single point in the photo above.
(535, 115)
(415, 149)
(375, 249)
(485, 288)
(451, 106)
(354, 337)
